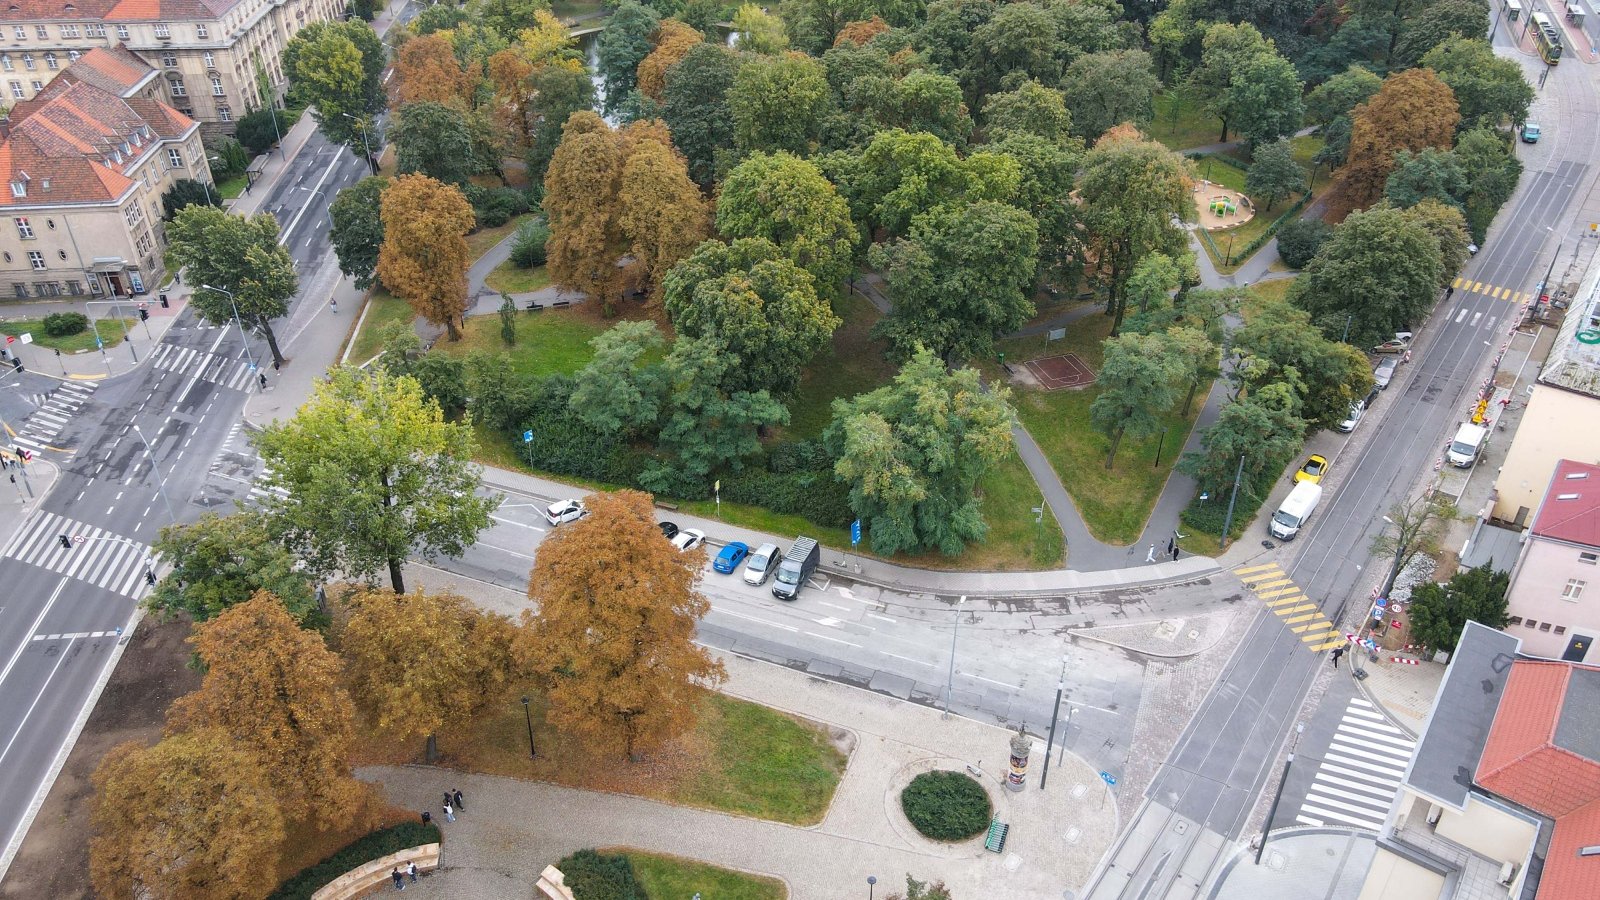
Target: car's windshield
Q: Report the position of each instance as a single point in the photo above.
(789, 574)
(758, 562)
(1461, 448)
(1287, 520)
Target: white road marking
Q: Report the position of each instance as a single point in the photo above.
(729, 612)
(834, 639)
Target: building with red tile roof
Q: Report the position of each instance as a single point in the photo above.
(1555, 581)
(85, 163)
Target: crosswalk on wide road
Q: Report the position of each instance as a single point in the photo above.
(1360, 774)
(97, 556)
(1279, 593)
(55, 408)
(227, 372)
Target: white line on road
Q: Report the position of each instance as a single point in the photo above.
(906, 658)
(1461, 316)
(1014, 687)
(35, 704)
(289, 229)
(1475, 317)
(834, 605)
(729, 612)
(513, 522)
(834, 639)
(34, 629)
(882, 618)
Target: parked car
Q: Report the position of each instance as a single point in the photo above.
(762, 562)
(669, 530)
(1357, 410)
(1399, 344)
(688, 539)
(563, 511)
(1472, 249)
(796, 567)
(1384, 372)
(1313, 470)
(730, 557)
(1530, 133)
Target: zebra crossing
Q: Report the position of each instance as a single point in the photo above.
(230, 373)
(55, 408)
(1279, 593)
(1360, 774)
(97, 556)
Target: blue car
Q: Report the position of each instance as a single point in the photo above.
(730, 557)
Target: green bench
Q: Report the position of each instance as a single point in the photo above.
(996, 839)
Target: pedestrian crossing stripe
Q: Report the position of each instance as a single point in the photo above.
(55, 409)
(109, 561)
(1299, 614)
(1357, 778)
(1495, 291)
(230, 373)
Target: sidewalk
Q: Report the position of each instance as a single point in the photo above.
(512, 829)
(94, 365)
(1300, 864)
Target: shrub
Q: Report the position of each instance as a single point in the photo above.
(946, 806)
(373, 846)
(1300, 239)
(257, 131)
(527, 251)
(65, 324)
(593, 876)
(496, 206)
(231, 158)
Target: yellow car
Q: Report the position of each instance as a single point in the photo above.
(1313, 470)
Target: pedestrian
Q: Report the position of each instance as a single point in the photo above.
(335, 305)
(449, 813)
(399, 882)
(1151, 556)
(262, 377)
(1175, 552)
(427, 817)
(411, 869)
(1170, 544)
(1337, 652)
(459, 804)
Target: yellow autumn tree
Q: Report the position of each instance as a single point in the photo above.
(418, 663)
(660, 211)
(426, 68)
(673, 40)
(193, 817)
(614, 633)
(274, 688)
(423, 258)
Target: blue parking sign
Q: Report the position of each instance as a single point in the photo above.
(855, 532)
(527, 436)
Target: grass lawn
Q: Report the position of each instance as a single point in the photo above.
(674, 876)
(510, 279)
(383, 308)
(740, 757)
(1261, 293)
(547, 342)
(229, 188)
(1114, 503)
(569, 9)
(854, 364)
(1222, 170)
(110, 333)
(1181, 123)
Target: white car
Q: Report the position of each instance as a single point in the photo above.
(763, 562)
(1357, 410)
(688, 539)
(563, 511)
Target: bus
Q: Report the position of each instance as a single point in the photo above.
(1546, 38)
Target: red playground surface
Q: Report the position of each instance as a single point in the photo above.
(1056, 372)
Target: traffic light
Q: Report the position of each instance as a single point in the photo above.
(144, 314)
(16, 364)
(164, 303)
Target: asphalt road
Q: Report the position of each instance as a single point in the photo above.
(1201, 801)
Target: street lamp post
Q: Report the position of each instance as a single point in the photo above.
(950, 682)
(1061, 685)
(242, 336)
(1266, 827)
(528, 717)
(161, 482)
(362, 124)
(872, 881)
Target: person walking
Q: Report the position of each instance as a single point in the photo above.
(449, 813)
(427, 817)
(399, 882)
(1337, 652)
(411, 870)
(459, 804)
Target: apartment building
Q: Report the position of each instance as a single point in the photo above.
(85, 163)
(218, 59)
(1554, 600)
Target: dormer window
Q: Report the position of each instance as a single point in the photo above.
(126, 149)
(163, 32)
(19, 189)
(202, 32)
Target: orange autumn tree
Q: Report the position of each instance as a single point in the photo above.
(614, 634)
(673, 40)
(859, 33)
(423, 258)
(426, 68)
(274, 688)
(1413, 111)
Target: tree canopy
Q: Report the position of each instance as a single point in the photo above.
(1378, 272)
(787, 201)
(1439, 612)
(1413, 110)
(243, 258)
(356, 229)
(218, 562)
(423, 257)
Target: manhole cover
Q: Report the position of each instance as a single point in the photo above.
(1277, 861)
(1073, 834)
(1078, 790)
(1013, 862)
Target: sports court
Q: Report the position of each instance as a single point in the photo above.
(1057, 372)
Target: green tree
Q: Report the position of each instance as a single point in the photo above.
(558, 92)
(1437, 23)
(758, 303)
(242, 257)
(913, 452)
(901, 175)
(500, 397)
(1300, 239)
(356, 231)
(619, 391)
(1261, 428)
(1264, 99)
(507, 17)
(814, 25)
(1448, 226)
(1342, 93)
(1491, 90)
(1107, 89)
(337, 67)
(1228, 49)
(787, 201)
(1429, 175)
(1030, 109)
(443, 376)
(218, 562)
(1137, 385)
(508, 319)
(1279, 345)
(1149, 292)
(1440, 612)
(961, 278)
(624, 43)
(1048, 177)
(371, 473)
(706, 423)
(1414, 527)
(1379, 272)
(1491, 172)
(759, 31)
(186, 192)
(435, 140)
(1274, 174)
(779, 103)
(696, 107)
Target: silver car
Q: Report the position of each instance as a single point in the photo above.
(1357, 410)
(1384, 372)
(762, 563)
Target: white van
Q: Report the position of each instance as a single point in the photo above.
(1296, 509)
(1468, 444)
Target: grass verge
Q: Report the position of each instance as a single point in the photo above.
(673, 876)
(1182, 123)
(508, 278)
(383, 308)
(231, 188)
(740, 757)
(110, 333)
(547, 342)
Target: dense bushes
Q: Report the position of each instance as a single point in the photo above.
(1207, 516)
(946, 806)
(593, 876)
(257, 131)
(1300, 239)
(799, 480)
(527, 252)
(496, 206)
(65, 324)
(373, 846)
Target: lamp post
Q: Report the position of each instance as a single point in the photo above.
(242, 336)
(1061, 685)
(161, 482)
(1266, 827)
(362, 124)
(950, 682)
(528, 717)
(872, 881)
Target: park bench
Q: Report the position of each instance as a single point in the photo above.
(996, 839)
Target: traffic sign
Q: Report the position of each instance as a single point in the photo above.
(78, 539)
(527, 436)
(11, 339)
(855, 532)
(98, 344)
(1108, 778)
(27, 337)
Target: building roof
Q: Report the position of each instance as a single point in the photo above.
(1463, 712)
(1570, 510)
(1543, 753)
(116, 70)
(66, 143)
(114, 10)
(1574, 365)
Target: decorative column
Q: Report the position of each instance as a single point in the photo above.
(1021, 746)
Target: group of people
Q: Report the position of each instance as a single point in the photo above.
(452, 802)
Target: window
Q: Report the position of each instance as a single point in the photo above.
(1530, 623)
(134, 214)
(216, 86)
(42, 32)
(178, 90)
(1589, 559)
(6, 63)
(201, 32)
(20, 289)
(1574, 589)
(97, 30)
(49, 223)
(72, 55)
(210, 59)
(1514, 620)
(163, 32)
(62, 255)
(174, 158)
(50, 62)
(1544, 626)
(169, 60)
(20, 33)
(37, 85)
(24, 230)
(135, 282)
(18, 93)
(36, 259)
(225, 114)
(27, 60)
(75, 288)
(1561, 629)
(69, 32)
(122, 32)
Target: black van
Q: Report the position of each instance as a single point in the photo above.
(797, 566)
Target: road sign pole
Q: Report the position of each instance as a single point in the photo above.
(527, 442)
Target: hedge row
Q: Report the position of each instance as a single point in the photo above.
(375, 845)
(1208, 515)
(595, 876)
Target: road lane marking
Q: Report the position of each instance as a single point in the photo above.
(729, 612)
(1461, 316)
(33, 628)
(907, 658)
(35, 704)
(882, 618)
(1014, 687)
(514, 522)
(834, 639)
